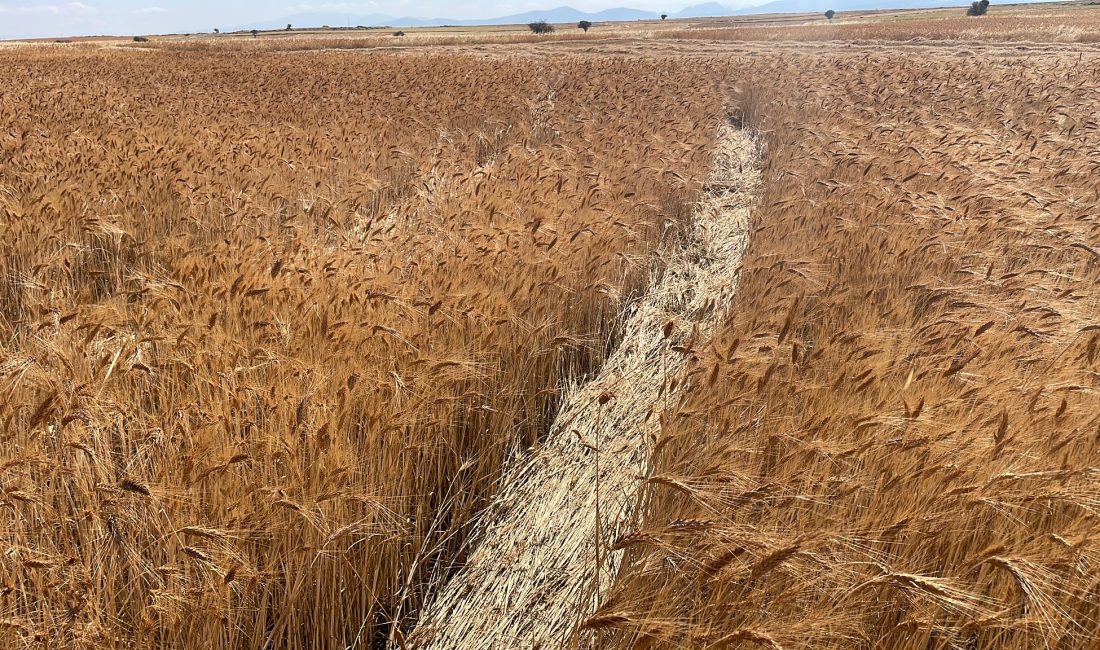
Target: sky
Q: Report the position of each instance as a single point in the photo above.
(42, 18)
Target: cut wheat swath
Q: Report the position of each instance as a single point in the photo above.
(541, 555)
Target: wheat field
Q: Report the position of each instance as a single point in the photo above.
(892, 442)
(277, 316)
(266, 341)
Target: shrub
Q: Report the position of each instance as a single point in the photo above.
(585, 25)
(664, 16)
(541, 27)
(978, 8)
(140, 39)
(398, 34)
(829, 14)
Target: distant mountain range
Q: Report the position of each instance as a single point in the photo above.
(570, 15)
(558, 15)
(840, 6)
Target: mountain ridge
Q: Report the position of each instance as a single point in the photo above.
(563, 14)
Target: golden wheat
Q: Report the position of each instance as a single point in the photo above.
(271, 324)
(891, 443)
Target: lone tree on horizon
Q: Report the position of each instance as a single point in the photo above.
(289, 27)
(664, 16)
(829, 14)
(585, 25)
(541, 27)
(255, 32)
(978, 8)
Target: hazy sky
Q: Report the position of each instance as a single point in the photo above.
(30, 18)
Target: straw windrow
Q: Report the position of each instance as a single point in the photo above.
(530, 578)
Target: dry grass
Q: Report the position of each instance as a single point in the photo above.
(1017, 24)
(892, 441)
(1080, 25)
(370, 40)
(270, 325)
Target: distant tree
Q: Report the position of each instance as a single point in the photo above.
(585, 25)
(140, 39)
(217, 31)
(398, 34)
(541, 27)
(255, 32)
(978, 8)
(829, 14)
(664, 16)
(289, 27)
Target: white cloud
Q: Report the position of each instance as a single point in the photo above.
(151, 10)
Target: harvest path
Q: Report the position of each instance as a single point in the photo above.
(530, 576)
